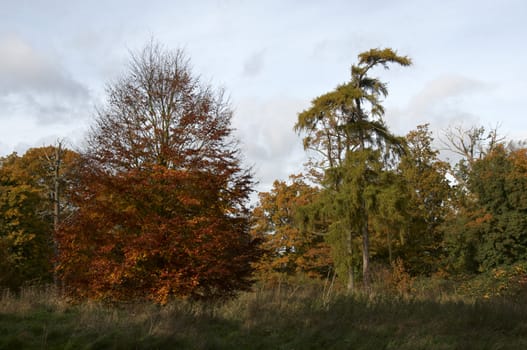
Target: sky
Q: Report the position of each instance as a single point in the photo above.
(272, 57)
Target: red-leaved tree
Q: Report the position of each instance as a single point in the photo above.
(162, 206)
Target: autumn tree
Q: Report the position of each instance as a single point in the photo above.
(29, 185)
(162, 206)
(25, 249)
(428, 201)
(346, 125)
(288, 248)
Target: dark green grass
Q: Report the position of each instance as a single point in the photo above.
(289, 318)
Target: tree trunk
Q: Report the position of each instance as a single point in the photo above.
(366, 253)
(366, 279)
(56, 207)
(351, 274)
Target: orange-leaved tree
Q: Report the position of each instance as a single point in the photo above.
(162, 207)
(288, 247)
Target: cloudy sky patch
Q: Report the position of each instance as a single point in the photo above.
(254, 64)
(23, 70)
(272, 57)
(34, 88)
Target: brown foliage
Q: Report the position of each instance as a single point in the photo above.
(288, 248)
(161, 210)
(153, 234)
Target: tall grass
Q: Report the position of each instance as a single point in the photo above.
(290, 314)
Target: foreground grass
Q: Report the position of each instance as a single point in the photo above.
(295, 317)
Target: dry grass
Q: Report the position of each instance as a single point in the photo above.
(290, 314)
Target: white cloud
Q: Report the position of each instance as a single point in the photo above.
(22, 69)
(442, 92)
(35, 85)
(266, 131)
(440, 102)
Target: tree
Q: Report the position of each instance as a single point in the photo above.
(29, 185)
(162, 203)
(390, 219)
(471, 143)
(428, 201)
(476, 222)
(289, 248)
(359, 181)
(500, 182)
(490, 230)
(26, 254)
(348, 120)
(53, 170)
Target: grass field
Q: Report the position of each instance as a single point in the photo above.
(279, 317)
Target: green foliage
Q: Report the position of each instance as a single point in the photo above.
(350, 116)
(490, 229)
(25, 246)
(27, 212)
(360, 184)
(428, 196)
(382, 57)
(345, 129)
(460, 244)
(502, 239)
(357, 189)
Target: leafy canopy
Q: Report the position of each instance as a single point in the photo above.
(162, 206)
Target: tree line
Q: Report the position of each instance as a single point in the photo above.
(157, 204)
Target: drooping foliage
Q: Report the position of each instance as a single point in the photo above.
(359, 183)
(350, 117)
(345, 121)
(162, 203)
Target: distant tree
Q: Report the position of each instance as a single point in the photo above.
(26, 252)
(162, 206)
(500, 183)
(491, 229)
(428, 201)
(349, 120)
(28, 185)
(471, 144)
(288, 248)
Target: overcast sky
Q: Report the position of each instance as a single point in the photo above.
(273, 57)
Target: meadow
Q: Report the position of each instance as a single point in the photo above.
(290, 314)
